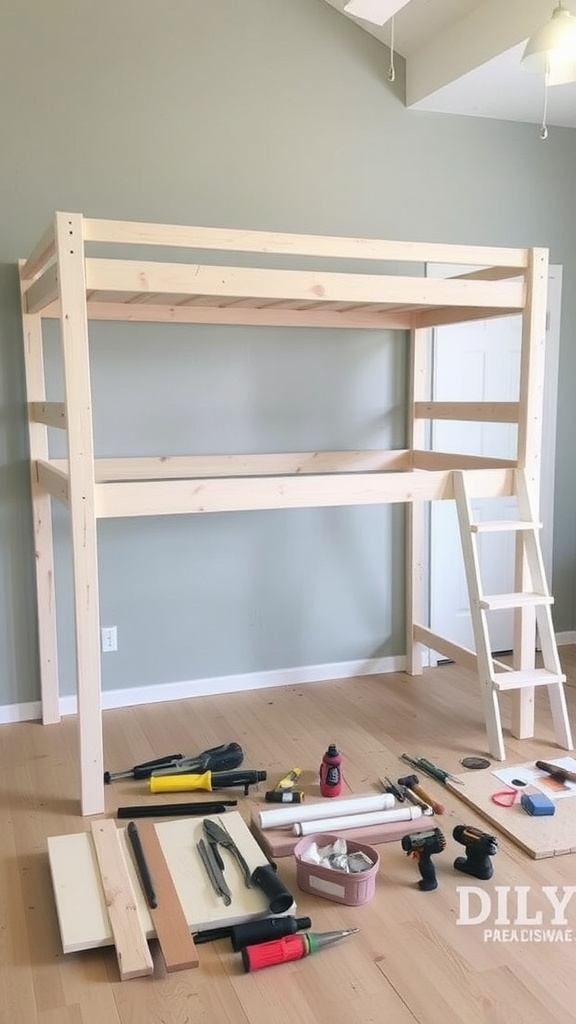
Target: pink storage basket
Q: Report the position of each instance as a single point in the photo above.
(351, 888)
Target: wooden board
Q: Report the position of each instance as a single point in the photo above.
(134, 959)
(539, 837)
(172, 931)
(280, 842)
(80, 900)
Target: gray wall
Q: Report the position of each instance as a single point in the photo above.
(262, 114)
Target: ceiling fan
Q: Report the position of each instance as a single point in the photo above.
(376, 11)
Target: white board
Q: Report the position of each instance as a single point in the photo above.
(80, 902)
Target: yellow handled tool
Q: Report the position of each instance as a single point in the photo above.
(208, 781)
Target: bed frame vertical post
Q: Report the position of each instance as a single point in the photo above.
(529, 459)
(42, 516)
(419, 345)
(76, 359)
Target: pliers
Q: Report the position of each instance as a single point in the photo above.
(217, 835)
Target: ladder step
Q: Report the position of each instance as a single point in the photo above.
(527, 677)
(495, 602)
(503, 525)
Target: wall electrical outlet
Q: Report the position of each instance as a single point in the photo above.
(109, 639)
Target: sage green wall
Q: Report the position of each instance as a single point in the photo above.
(251, 113)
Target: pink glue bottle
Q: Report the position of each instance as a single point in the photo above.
(331, 772)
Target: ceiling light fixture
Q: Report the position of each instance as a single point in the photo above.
(551, 50)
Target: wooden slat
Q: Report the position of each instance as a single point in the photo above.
(447, 460)
(442, 316)
(134, 959)
(366, 319)
(53, 414)
(194, 466)
(146, 498)
(53, 480)
(43, 291)
(455, 652)
(479, 412)
(42, 252)
(129, 276)
(178, 947)
(300, 245)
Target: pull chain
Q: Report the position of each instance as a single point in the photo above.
(392, 69)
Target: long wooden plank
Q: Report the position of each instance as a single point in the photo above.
(478, 412)
(178, 946)
(134, 959)
(76, 360)
(133, 277)
(166, 467)
(177, 497)
(182, 236)
(43, 291)
(367, 318)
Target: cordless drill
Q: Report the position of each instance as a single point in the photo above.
(480, 847)
(421, 846)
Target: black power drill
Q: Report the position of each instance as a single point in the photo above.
(421, 846)
(480, 847)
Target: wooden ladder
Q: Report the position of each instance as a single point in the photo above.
(496, 676)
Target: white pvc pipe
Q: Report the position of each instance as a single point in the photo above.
(331, 808)
(307, 828)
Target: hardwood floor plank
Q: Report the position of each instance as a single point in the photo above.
(411, 963)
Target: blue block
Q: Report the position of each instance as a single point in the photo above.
(537, 804)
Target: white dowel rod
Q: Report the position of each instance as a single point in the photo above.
(307, 828)
(328, 809)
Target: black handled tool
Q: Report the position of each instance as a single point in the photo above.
(142, 865)
(144, 770)
(176, 810)
(223, 758)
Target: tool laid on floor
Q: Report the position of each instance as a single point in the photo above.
(480, 847)
(197, 807)
(390, 787)
(412, 784)
(142, 865)
(421, 846)
(430, 769)
(253, 932)
(413, 798)
(221, 758)
(209, 780)
(284, 792)
(291, 947)
(217, 836)
(556, 771)
(214, 870)
(144, 770)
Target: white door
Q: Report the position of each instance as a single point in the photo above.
(479, 362)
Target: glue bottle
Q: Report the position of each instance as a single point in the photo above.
(330, 772)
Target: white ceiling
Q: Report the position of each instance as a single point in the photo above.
(463, 57)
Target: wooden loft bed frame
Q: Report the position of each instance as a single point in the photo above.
(60, 279)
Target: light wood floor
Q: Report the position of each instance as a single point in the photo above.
(410, 962)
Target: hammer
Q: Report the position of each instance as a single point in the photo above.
(412, 782)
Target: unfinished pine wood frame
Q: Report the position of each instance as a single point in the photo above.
(61, 279)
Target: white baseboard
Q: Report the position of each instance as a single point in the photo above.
(569, 637)
(131, 696)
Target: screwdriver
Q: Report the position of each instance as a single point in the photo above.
(208, 781)
(144, 770)
(292, 947)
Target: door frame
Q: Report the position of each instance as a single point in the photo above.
(549, 419)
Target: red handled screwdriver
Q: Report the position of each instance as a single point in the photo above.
(291, 947)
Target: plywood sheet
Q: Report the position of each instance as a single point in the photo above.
(539, 837)
(81, 904)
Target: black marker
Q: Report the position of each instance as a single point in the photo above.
(142, 865)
